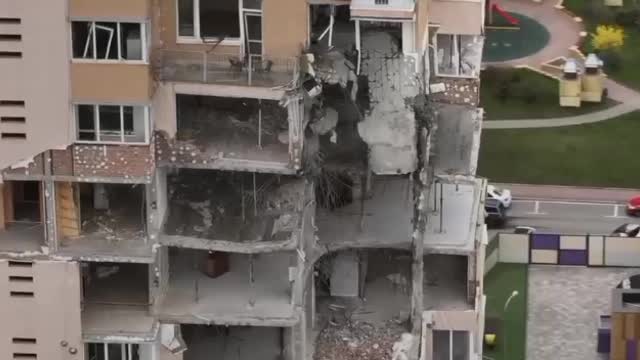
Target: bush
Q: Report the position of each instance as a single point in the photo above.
(612, 60)
(504, 91)
(607, 37)
(597, 12)
(627, 18)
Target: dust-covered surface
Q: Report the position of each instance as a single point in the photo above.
(212, 128)
(385, 218)
(112, 223)
(368, 326)
(389, 127)
(457, 139)
(234, 206)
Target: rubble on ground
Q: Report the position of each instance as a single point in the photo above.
(357, 340)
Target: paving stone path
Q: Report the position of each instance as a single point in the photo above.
(564, 305)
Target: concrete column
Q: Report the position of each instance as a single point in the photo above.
(50, 221)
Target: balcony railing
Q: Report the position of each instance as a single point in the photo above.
(204, 67)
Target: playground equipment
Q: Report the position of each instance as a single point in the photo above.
(570, 85)
(577, 87)
(592, 80)
(493, 10)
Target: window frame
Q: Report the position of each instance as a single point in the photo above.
(144, 42)
(197, 37)
(126, 349)
(451, 331)
(96, 124)
(456, 41)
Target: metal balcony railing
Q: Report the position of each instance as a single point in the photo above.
(204, 67)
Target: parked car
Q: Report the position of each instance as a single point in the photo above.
(495, 213)
(627, 230)
(524, 230)
(633, 206)
(502, 195)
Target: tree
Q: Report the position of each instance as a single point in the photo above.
(607, 37)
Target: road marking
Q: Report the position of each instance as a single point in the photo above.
(536, 210)
(616, 214)
(566, 202)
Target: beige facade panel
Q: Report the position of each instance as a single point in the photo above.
(108, 9)
(285, 26)
(422, 24)
(41, 308)
(113, 83)
(35, 85)
(457, 17)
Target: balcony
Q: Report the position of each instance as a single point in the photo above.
(234, 211)
(232, 289)
(229, 133)
(207, 68)
(21, 213)
(115, 302)
(102, 221)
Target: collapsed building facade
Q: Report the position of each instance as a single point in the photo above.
(269, 179)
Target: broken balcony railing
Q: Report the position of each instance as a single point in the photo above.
(204, 67)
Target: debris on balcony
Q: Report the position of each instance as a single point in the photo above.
(233, 206)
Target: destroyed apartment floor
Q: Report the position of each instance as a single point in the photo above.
(335, 143)
(367, 327)
(224, 206)
(233, 297)
(211, 128)
(113, 232)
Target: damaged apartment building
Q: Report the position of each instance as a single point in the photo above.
(240, 179)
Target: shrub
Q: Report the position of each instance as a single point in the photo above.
(612, 60)
(627, 18)
(504, 91)
(607, 37)
(598, 12)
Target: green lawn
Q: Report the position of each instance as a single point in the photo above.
(593, 13)
(529, 95)
(499, 283)
(598, 154)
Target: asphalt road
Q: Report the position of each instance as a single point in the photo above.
(568, 217)
(568, 210)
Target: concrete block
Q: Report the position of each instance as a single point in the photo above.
(345, 274)
(544, 256)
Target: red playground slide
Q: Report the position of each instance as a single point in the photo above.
(504, 14)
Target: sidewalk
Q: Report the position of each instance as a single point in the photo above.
(569, 193)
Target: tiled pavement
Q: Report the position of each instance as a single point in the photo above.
(564, 304)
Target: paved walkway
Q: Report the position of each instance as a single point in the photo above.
(569, 193)
(565, 33)
(564, 304)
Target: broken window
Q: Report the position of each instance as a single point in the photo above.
(108, 40)
(100, 351)
(451, 345)
(112, 123)
(458, 55)
(219, 19)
